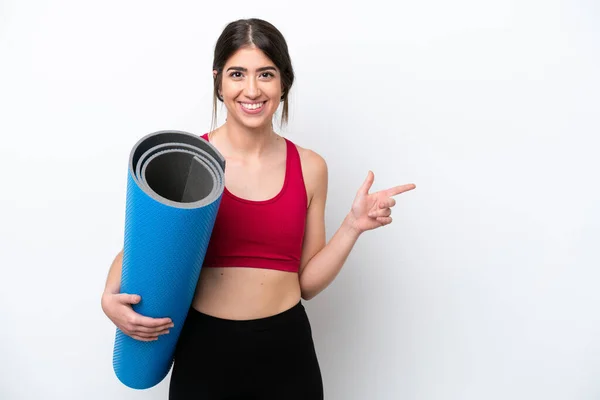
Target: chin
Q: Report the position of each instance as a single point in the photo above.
(262, 124)
(255, 122)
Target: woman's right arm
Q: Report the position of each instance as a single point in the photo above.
(117, 307)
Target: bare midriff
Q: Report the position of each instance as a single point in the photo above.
(241, 293)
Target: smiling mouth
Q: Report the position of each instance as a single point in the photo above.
(252, 106)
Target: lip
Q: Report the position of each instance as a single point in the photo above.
(253, 112)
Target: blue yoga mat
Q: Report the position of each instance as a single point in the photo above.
(174, 188)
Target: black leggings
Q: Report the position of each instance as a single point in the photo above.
(266, 358)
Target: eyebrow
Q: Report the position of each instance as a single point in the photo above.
(242, 69)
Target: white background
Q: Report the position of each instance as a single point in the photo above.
(486, 285)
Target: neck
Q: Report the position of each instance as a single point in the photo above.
(246, 141)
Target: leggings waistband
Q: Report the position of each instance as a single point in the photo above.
(295, 313)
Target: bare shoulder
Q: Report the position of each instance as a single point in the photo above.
(311, 160)
(314, 170)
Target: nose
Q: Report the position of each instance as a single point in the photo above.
(252, 91)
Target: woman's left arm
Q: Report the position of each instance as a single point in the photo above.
(321, 262)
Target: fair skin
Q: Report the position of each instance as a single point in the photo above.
(255, 154)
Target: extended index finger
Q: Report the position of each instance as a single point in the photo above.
(396, 190)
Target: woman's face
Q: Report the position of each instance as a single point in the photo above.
(251, 88)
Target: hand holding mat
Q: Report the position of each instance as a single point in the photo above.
(174, 188)
(118, 308)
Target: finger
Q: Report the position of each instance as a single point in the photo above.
(384, 220)
(148, 322)
(396, 190)
(151, 334)
(364, 189)
(126, 298)
(386, 212)
(143, 339)
(143, 335)
(144, 329)
(387, 203)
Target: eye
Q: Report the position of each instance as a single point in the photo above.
(235, 74)
(267, 75)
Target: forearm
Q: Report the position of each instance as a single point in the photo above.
(113, 281)
(323, 268)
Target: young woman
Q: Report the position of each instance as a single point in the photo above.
(247, 334)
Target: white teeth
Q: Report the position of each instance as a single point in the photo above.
(252, 106)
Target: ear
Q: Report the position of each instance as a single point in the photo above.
(219, 96)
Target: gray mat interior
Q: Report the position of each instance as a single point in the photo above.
(178, 168)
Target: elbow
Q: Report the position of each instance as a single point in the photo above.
(308, 289)
(307, 294)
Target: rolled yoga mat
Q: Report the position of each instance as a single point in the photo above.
(174, 188)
